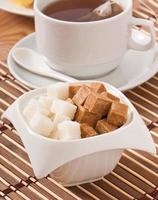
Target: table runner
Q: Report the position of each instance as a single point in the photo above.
(136, 175)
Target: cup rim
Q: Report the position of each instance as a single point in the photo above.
(111, 19)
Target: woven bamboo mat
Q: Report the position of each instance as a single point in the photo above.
(136, 175)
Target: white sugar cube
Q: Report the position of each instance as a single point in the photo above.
(46, 101)
(58, 119)
(69, 130)
(43, 111)
(59, 90)
(41, 124)
(30, 109)
(63, 108)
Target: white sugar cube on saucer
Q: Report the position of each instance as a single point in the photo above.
(63, 108)
(69, 130)
(41, 124)
(46, 101)
(58, 119)
(58, 90)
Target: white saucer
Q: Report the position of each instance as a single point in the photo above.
(8, 6)
(136, 67)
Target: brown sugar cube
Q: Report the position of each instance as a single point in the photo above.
(113, 97)
(108, 101)
(69, 100)
(110, 96)
(104, 96)
(73, 89)
(84, 116)
(87, 131)
(97, 105)
(97, 87)
(117, 114)
(104, 127)
(81, 95)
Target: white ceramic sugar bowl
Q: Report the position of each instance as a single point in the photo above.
(84, 160)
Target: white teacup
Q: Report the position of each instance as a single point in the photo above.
(87, 49)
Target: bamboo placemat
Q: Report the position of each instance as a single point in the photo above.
(135, 177)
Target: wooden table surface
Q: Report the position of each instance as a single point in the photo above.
(12, 29)
(136, 175)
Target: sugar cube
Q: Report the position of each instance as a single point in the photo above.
(118, 114)
(41, 124)
(110, 96)
(58, 119)
(84, 116)
(81, 95)
(113, 97)
(104, 127)
(58, 90)
(46, 101)
(30, 109)
(73, 89)
(95, 104)
(63, 108)
(69, 130)
(69, 100)
(97, 87)
(87, 131)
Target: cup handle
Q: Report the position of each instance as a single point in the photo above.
(140, 47)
